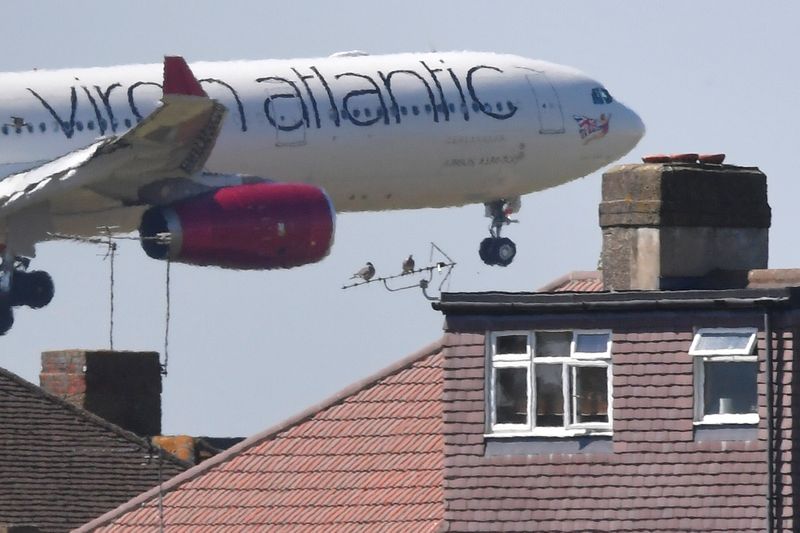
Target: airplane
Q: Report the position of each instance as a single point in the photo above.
(149, 147)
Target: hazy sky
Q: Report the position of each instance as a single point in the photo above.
(248, 349)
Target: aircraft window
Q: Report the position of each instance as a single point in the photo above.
(79, 125)
(428, 108)
(499, 106)
(510, 105)
(5, 130)
(127, 123)
(367, 112)
(452, 108)
(379, 112)
(18, 130)
(42, 127)
(415, 109)
(90, 125)
(601, 96)
(30, 128)
(333, 114)
(476, 107)
(404, 110)
(356, 112)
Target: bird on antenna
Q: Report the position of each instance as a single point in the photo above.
(366, 272)
(408, 265)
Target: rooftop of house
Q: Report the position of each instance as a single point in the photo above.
(62, 465)
(370, 457)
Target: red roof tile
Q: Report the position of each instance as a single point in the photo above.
(577, 281)
(368, 459)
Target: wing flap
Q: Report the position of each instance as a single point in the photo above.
(174, 141)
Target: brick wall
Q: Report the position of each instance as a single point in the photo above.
(658, 477)
(122, 387)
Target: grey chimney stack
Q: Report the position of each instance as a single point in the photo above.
(683, 225)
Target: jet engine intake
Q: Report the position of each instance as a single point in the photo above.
(251, 227)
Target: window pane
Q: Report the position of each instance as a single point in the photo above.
(591, 342)
(591, 394)
(512, 344)
(511, 395)
(549, 396)
(729, 340)
(730, 387)
(553, 343)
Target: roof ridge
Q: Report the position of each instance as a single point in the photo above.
(271, 431)
(91, 417)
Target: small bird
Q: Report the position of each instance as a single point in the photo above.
(408, 265)
(365, 273)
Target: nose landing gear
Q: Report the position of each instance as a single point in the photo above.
(497, 250)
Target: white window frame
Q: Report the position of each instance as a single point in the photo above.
(529, 361)
(733, 355)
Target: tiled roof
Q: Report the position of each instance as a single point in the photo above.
(61, 466)
(369, 459)
(577, 281)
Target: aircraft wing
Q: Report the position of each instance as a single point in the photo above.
(138, 167)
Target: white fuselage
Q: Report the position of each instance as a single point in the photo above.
(376, 132)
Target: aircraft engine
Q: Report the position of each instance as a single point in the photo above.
(255, 226)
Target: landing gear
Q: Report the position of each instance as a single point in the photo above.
(497, 250)
(6, 318)
(34, 289)
(20, 287)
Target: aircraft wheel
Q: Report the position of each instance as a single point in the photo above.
(487, 251)
(34, 289)
(495, 251)
(6, 318)
(505, 251)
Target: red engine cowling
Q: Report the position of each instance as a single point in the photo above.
(254, 226)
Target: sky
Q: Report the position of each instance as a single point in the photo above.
(249, 349)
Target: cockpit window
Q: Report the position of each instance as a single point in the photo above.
(601, 96)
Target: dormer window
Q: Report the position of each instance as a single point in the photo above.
(550, 383)
(725, 376)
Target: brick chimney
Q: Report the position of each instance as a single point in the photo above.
(122, 387)
(681, 225)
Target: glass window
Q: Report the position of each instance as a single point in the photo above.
(512, 344)
(511, 395)
(476, 107)
(127, 123)
(723, 341)
(725, 376)
(549, 396)
(597, 96)
(591, 343)
(415, 109)
(90, 125)
(589, 394)
(428, 108)
(730, 387)
(451, 107)
(564, 392)
(367, 112)
(553, 343)
(403, 110)
(4, 129)
(42, 127)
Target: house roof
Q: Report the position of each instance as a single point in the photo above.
(61, 465)
(576, 281)
(369, 458)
